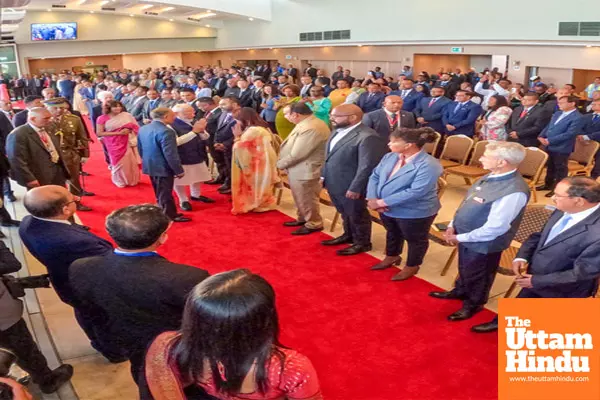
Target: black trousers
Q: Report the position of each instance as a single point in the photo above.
(219, 158)
(557, 168)
(4, 215)
(596, 169)
(523, 294)
(18, 339)
(163, 190)
(357, 220)
(476, 274)
(415, 231)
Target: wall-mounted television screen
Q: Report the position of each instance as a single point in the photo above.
(60, 31)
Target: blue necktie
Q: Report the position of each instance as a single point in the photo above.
(457, 108)
(596, 118)
(558, 228)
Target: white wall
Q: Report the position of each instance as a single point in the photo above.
(481, 62)
(105, 27)
(410, 20)
(557, 76)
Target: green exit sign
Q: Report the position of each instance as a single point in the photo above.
(457, 49)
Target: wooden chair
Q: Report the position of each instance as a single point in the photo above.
(279, 189)
(325, 199)
(531, 168)
(431, 148)
(581, 161)
(456, 151)
(534, 219)
(474, 169)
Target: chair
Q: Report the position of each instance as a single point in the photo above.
(531, 168)
(534, 219)
(325, 199)
(581, 161)
(456, 150)
(279, 189)
(431, 148)
(474, 169)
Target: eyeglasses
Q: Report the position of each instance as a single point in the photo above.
(75, 200)
(562, 195)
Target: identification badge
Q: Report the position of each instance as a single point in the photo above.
(479, 200)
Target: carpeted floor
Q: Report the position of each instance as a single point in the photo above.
(369, 338)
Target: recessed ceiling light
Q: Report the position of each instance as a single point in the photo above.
(167, 9)
(250, 19)
(360, 45)
(91, 12)
(588, 45)
(49, 10)
(131, 15)
(207, 25)
(147, 6)
(208, 11)
(171, 19)
(102, 3)
(81, 2)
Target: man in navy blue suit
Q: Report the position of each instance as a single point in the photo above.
(372, 99)
(559, 139)
(66, 87)
(223, 142)
(460, 115)
(429, 110)
(409, 95)
(88, 94)
(157, 144)
(56, 243)
(591, 131)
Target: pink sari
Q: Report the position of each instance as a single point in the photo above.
(122, 149)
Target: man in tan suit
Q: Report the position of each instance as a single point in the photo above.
(302, 155)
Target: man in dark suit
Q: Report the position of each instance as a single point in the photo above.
(56, 243)
(559, 140)
(232, 88)
(212, 113)
(220, 84)
(258, 85)
(88, 94)
(528, 121)
(353, 151)
(34, 155)
(311, 71)
(157, 145)
(30, 102)
(137, 293)
(372, 99)
(66, 87)
(409, 95)
(246, 95)
(591, 131)
(390, 117)
(152, 103)
(429, 110)
(223, 141)
(307, 83)
(459, 116)
(293, 72)
(450, 87)
(325, 79)
(563, 260)
(337, 75)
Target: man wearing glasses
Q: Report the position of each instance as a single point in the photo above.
(563, 260)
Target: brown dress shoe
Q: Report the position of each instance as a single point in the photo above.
(387, 262)
(407, 272)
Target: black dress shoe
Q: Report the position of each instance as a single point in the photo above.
(338, 240)
(81, 207)
(186, 206)
(294, 223)
(215, 182)
(486, 328)
(223, 187)
(464, 313)
(202, 199)
(306, 231)
(543, 187)
(83, 173)
(549, 194)
(385, 265)
(11, 223)
(181, 219)
(56, 379)
(86, 193)
(450, 295)
(11, 197)
(354, 249)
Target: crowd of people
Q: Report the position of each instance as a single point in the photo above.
(188, 334)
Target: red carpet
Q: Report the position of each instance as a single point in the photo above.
(369, 338)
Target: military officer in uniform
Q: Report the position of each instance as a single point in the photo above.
(73, 143)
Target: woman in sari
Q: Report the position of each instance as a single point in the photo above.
(292, 95)
(228, 348)
(253, 169)
(118, 131)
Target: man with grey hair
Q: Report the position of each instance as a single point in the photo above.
(157, 144)
(484, 226)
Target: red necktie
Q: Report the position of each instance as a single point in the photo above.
(431, 102)
(523, 113)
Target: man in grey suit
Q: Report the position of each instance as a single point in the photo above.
(152, 103)
(390, 117)
(34, 154)
(563, 260)
(136, 106)
(166, 99)
(352, 152)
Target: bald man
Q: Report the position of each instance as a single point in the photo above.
(353, 151)
(384, 121)
(34, 154)
(56, 243)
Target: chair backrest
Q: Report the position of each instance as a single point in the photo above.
(534, 219)
(584, 151)
(431, 148)
(533, 164)
(442, 184)
(478, 151)
(457, 148)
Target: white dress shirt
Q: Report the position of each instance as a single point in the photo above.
(502, 213)
(487, 93)
(340, 135)
(563, 115)
(205, 92)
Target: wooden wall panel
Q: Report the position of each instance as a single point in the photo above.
(58, 64)
(583, 77)
(433, 62)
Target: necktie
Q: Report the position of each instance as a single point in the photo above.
(558, 228)
(49, 148)
(370, 96)
(596, 118)
(433, 99)
(403, 94)
(523, 113)
(457, 108)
